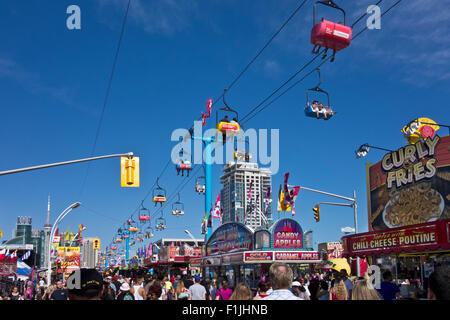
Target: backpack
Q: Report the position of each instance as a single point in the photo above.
(128, 296)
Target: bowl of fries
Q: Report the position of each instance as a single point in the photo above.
(413, 205)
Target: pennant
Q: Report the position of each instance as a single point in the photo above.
(209, 106)
(67, 235)
(267, 201)
(208, 111)
(210, 224)
(57, 231)
(2, 254)
(287, 197)
(26, 255)
(294, 197)
(217, 209)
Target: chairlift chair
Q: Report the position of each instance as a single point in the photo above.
(144, 214)
(183, 164)
(178, 207)
(328, 34)
(200, 185)
(308, 109)
(160, 223)
(159, 194)
(226, 126)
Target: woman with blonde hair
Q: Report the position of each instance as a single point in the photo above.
(339, 291)
(182, 293)
(242, 292)
(48, 292)
(363, 290)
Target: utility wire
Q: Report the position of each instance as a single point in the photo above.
(262, 49)
(108, 90)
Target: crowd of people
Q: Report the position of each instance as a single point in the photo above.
(279, 285)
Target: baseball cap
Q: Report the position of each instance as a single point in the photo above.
(197, 278)
(91, 283)
(295, 284)
(108, 277)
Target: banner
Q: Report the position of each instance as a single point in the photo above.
(68, 261)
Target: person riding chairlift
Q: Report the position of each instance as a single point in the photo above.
(199, 187)
(318, 108)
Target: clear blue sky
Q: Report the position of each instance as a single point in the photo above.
(175, 55)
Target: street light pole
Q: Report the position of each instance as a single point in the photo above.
(355, 213)
(190, 234)
(52, 233)
(130, 155)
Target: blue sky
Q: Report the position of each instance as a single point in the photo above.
(175, 55)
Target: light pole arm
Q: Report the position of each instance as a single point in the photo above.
(130, 154)
(328, 194)
(373, 147)
(337, 204)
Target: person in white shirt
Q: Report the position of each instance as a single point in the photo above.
(282, 276)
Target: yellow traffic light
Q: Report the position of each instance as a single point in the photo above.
(129, 173)
(96, 244)
(316, 210)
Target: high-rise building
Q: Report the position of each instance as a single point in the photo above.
(46, 236)
(89, 258)
(234, 197)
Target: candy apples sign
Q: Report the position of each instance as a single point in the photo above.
(287, 234)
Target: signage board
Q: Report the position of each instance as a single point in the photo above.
(410, 186)
(287, 234)
(258, 256)
(230, 237)
(297, 256)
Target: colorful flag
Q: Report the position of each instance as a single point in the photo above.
(26, 255)
(217, 207)
(267, 201)
(208, 111)
(2, 254)
(294, 197)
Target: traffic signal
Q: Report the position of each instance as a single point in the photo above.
(129, 171)
(316, 210)
(96, 244)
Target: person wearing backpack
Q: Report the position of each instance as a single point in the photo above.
(182, 293)
(125, 293)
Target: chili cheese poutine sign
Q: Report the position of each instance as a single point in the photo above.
(411, 185)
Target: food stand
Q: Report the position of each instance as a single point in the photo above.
(409, 211)
(240, 254)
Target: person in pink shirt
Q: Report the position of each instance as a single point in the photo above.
(224, 293)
